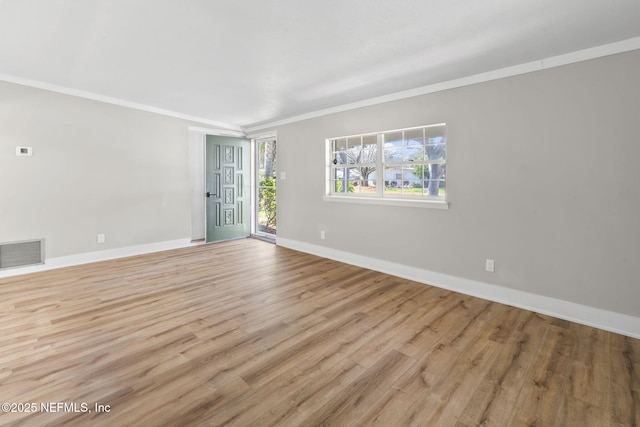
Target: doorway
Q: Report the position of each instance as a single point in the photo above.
(266, 191)
(228, 189)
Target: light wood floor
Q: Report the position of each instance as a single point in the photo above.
(245, 333)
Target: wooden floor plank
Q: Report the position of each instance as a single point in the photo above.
(247, 333)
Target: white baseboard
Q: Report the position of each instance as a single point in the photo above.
(88, 257)
(591, 316)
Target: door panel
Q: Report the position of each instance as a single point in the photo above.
(228, 196)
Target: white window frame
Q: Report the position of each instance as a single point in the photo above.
(380, 198)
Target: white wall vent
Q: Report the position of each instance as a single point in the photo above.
(19, 254)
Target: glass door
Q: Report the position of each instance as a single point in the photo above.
(266, 171)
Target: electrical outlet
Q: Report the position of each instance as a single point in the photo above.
(490, 265)
(101, 238)
(323, 235)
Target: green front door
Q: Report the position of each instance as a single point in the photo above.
(228, 202)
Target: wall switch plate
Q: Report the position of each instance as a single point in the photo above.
(283, 176)
(490, 265)
(24, 151)
(101, 238)
(323, 235)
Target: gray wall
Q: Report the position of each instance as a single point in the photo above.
(542, 176)
(96, 168)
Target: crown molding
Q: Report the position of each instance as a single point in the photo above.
(538, 65)
(114, 101)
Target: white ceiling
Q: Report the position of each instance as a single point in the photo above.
(249, 62)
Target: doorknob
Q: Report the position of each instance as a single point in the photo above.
(209, 194)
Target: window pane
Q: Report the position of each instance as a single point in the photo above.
(405, 188)
(435, 172)
(434, 187)
(393, 139)
(435, 151)
(392, 177)
(420, 171)
(393, 154)
(354, 141)
(354, 150)
(369, 154)
(353, 174)
(339, 144)
(340, 158)
(367, 187)
(267, 160)
(370, 139)
(413, 137)
(413, 188)
(267, 208)
(340, 151)
(338, 175)
(409, 173)
(353, 155)
(434, 131)
(414, 153)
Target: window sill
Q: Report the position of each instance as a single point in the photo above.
(433, 204)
